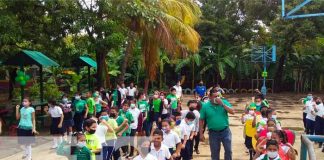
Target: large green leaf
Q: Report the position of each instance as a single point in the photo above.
(221, 69)
(206, 68)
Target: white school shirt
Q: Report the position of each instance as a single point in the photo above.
(122, 92)
(101, 132)
(196, 121)
(165, 103)
(135, 112)
(148, 157)
(131, 91)
(171, 139)
(55, 111)
(162, 154)
(320, 110)
(263, 155)
(309, 109)
(178, 91)
(186, 129)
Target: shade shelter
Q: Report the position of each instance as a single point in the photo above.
(28, 58)
(84, 61)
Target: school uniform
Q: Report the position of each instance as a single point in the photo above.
(171, 140)
(310, 118)
(265, 157)
(186, 131)
(147, 157)
(319, 120)
(79, 108)
(25, 126)
(56, 113)
(162, 154)
(68, 117)
(165, 111)
(196, 138)
(135, 113)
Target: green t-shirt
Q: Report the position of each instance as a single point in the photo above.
(79, 105)
(120, 121)
(143, 106)
(91, 104)
(115, 97)
(93, 143)
(128, 116)
(98, 108)
(157, 105)
(82, 153)
(174, 101)
(113, 124)
(215, 116)
(26, 118)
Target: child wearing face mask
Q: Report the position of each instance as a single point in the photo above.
(57, 122)
(272, 148)
(92, 140)
(144, 150)
(26, 127)
(68, 117)
(81, 111)
(102, 130)
(286, 150)
(80, 151)
(136, 113)
(249, 119)
(272, 114)
(171, 139)
(187, 131)
(175, 125)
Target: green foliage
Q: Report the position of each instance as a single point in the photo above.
(51, 91)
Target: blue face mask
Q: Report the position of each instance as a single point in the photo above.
(190, 123)
(309, 97)
(178, 122)
(106, 118)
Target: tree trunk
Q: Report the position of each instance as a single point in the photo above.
(146, 84)
(100, 57)
(279, 73)
(128, 53)
(107, 84)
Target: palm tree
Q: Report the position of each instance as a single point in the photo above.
(194, 60)
(168, 25)
(217, 61)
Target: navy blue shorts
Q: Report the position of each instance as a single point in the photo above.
(67, 123)
(25, 136)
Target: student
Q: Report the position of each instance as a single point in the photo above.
(81, 112)
(192, 105)
(272, 114)
(116, 97)
(319, 120)
(306, 102)
(144, 149)
(26, 127)
(173, 101)
(310, 117)
(200, 90)
(177, 120)
(144, 107)
(93, 142)
(57, 116)
(249, 119)
(165, 111)
(80, 151)
(124, 112)
(91, 105)
(102, 131)
(258, 103)
(272, 148)
(264, 118)
(120, 130)
(187, 133)
(158, 149)
(68, 117)
(286, 151)
(131, 91)
(178, 89)
(99, 103)
(157, 106)
(136, 113)
(171, 139)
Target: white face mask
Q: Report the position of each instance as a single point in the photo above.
(81, 144)
(251, 112)
(25, 104)
(132, 105)
(272, 154)
(274, 116)
(77, 97)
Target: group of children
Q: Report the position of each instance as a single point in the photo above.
(106, 129)
(313, 116)
(264, 137)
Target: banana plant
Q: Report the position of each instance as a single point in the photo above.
(193, 60)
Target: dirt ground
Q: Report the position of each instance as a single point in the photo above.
(289, 110)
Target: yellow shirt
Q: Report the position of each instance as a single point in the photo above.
(249, 129)
(177, 130)
(93, 143)
(113, 124)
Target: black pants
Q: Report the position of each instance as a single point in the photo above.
(78, 121)
(132, 141)
(185, 153)
(319, 125)
(310, 127)
(196, 140)
(304, 120)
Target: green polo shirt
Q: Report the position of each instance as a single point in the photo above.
(143, 106)
(174, 101)
(157, 105)
(215, 116)
(79, 105)
(129, 117)
(91, 104)
(82, 153)
(120, 121)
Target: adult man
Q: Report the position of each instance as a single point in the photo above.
(215, 114)
(200, 89)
